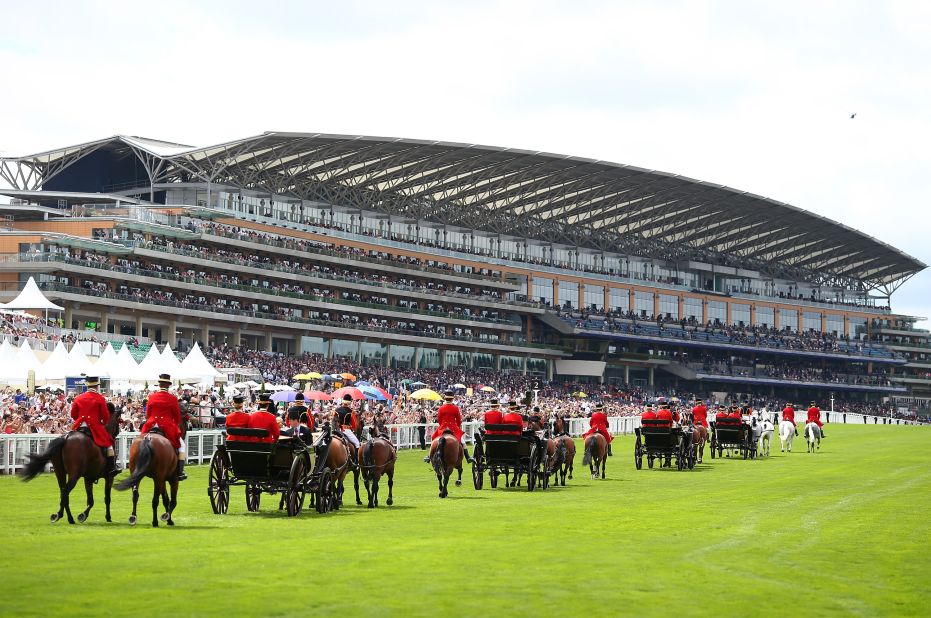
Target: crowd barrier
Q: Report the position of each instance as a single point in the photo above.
(201, 443)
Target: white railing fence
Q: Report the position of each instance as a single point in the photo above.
(201, 443)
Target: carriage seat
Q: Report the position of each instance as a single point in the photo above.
(247, 432)
(728, 421)
(655, 425)
(502, 433)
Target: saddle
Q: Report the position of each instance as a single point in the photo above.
(85, 430)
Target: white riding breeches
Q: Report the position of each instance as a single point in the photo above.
(351, 437)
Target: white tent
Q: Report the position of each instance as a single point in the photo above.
(170, 363)
(151, 366)
(32, 298)
(24, 362)
(124, 366)
(196, 365)
(7, 360)
(105, 363)
(56, 365)
(78, 362)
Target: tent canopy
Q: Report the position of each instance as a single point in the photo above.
(32, 298)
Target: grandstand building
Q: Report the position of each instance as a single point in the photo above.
(428, 254)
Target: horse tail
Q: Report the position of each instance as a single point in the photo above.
(560, 455)
(589, 447)
(439, 455)
(37, 461)
(143, 461)
(368, 457)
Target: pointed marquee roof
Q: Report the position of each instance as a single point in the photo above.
(555, 198)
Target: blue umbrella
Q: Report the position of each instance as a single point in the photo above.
(284, 396)
(362, 383)
(371, 392)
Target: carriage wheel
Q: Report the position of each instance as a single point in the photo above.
(545, 474)
(714, 447)
(218, 483)
(531, 468)
(253, 497)
(478, 477)
(324, 496)
(638, 454)
(295, 493)
(680, 459)
(693, 458)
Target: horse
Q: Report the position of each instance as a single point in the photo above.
(596, 450)
(75, 456)
(766, 436)
(377, 457)
(786, 434)
(153, 455)
(446, 454)
(813, 436)
(700, 435)
(561, 450)
(340, 452)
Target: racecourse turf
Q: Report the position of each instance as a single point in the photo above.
(842, 531)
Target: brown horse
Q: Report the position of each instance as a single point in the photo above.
(74, 456)
(152, 455)
(700, 435)
(596, 451)
(337, 457)
(561, 450)
(446, 454)
(377, 457)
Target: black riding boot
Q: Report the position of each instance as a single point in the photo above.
(112, 469)
(181, 475)
(610, 454)
(467, 456)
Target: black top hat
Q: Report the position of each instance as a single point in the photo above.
(536, 409)
(599, 406)
(448, 395)
(299, 397)
(238, 399)
(813, 403)
(264, 397)
(347, 397)
(513, 405)
(164, 377)
(91, 381)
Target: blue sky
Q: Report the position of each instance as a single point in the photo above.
(752, 95)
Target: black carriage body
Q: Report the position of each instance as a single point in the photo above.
(732, 433)
(504, 452)
(658, 439)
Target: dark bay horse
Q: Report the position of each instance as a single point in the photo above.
(337, 456)
(446, 455)
(153, 455)
(596, 450)
(74, 456)
(700, 435)
(377, 457)
(561, 450)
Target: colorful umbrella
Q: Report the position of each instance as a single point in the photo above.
(371, 392)
(418, 383)
(427, 394)
(352, 391)
(347, 376)
(460, 385)
(284, 396)
(487, 389)
(301, 376)
(316, 396)
(580, 395)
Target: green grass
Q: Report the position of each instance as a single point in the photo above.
(843, 531)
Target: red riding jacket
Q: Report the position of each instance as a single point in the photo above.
(448, 417)
(90, 407)
(164, 411)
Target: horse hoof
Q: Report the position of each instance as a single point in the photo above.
(82, 517)
(54, 517)
(358, 503)
(371, 506)
(132, 520)
(458, 483)
(390, 502)
(165, 516)
(155, 524)
(108, 519)
(171, 522)
(440, 494)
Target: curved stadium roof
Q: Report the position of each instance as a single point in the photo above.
(555, 198)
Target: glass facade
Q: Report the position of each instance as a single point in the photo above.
(374, 354)
(693, 309)
(717, 311)
(430, 358)
(765, 316)
(480, 360)
(618, 300)
(594, 297)
(788, 319)
(856, 327)
(455, 358)
(740, 314)
(343, 348)
(315, 345)
(512, 364)
(643, 303)
(543, 290)
(811, 321)
(569, 293)
(402, 356)
(835, 324)
(536, 366)
(669, 306)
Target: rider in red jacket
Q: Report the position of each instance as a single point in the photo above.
(700, 414)
(264, 419)
(238, 418)
(788, 414)
(90, 408)
(164, 411)
(814, 416)
(599, 424)
(449, 417)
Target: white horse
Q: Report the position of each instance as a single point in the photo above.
(766, 437)
(786, 434)
(813, 436)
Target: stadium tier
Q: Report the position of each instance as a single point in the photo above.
(420, 254)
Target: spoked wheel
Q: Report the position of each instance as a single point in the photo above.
(218, 484)
(253, 497)
(295, 497)
(478, 477)
(714, 447)
(638, 454)
(324, 496)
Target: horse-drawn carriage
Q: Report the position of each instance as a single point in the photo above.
(658, 440)
(732, 434)
(502, 450)
(283, 467)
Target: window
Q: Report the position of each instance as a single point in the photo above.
(594, 297)
(569, 293)
(812, 321)
(693, 309)
(740, 314)
(835, 324)
(856, 327)
(789, 319)
(543, 290)
(717, 311)
(764, 316)
(669, 306)
(643, 303)
(619, 300)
